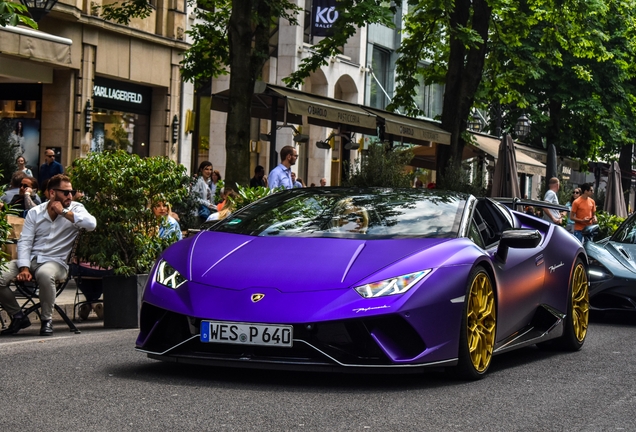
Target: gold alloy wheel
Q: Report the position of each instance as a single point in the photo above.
(481, 322)
(580, 302)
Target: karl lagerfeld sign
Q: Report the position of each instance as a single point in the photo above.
(324, 15)
(121, 95)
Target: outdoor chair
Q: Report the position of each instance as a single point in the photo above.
(28, 292)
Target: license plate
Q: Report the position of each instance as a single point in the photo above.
(246, 333)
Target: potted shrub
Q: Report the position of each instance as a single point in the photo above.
(118, 190)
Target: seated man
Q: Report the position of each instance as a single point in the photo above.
(44, 246)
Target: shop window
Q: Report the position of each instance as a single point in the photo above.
(379, 78)
(22, 118)
(430, 99)
(116, 130)
(307, 23)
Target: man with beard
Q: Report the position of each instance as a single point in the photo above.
(44, 246)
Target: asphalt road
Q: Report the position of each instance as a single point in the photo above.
(95, 381)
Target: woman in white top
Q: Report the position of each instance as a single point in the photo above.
(202, 191)
(21, 163)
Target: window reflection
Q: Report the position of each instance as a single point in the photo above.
(384, 213)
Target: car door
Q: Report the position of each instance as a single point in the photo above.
(519, 278)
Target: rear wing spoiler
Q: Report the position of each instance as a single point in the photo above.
(515, 203)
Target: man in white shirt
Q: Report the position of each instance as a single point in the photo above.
(44, 246)
(281, 175)
(550, 215)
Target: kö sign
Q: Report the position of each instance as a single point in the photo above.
(324, 16)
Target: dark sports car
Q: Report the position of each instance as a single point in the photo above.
(366, 280)
(612, 271)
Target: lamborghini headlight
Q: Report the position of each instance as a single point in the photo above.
(396, 285)
(166, 275)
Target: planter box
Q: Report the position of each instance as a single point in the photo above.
(122, 300)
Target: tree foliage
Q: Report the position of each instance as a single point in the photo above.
(12, 14)
(566, 63)
(382, 166)
(571, 70)
(234, 35)
(352, 14)
(119, 189)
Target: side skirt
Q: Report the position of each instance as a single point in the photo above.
(546, 324)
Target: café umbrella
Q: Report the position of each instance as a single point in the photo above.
(614, 197)
(505, 181)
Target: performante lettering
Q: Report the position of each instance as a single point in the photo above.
(121, 95)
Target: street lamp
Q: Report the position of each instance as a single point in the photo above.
(38, 8)
(475, 123)
(522, 128)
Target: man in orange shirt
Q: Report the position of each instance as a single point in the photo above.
(583, 211)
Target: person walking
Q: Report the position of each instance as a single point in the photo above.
(259, 177)
(583, 211)
(21, 163)
(202, 192)
(295, 181)
(552, 215)
(280, 176)
(48, 169)
(45, 243)
(569, 226)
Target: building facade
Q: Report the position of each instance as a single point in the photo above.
(81, 83)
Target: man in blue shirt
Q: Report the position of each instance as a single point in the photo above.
(49, 168)
(281, 175)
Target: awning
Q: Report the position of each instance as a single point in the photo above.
(34, 45)
(490, 146)
(410, 130)
(292, 105)
(327, 112)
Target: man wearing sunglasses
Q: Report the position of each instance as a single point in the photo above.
(49, 168)
(44, 246)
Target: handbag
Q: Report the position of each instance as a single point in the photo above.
(204, 212)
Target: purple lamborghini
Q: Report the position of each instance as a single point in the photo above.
(366, 280)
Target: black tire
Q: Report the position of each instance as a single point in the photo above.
(478, 328)
(578, 312)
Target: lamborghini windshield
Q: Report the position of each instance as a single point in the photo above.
(356, 213)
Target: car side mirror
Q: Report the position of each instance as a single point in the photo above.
(590, 231)
(517, 239)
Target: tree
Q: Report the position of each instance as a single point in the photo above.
(580, 97)
(12, 14)
(234, 36)
(456, 43)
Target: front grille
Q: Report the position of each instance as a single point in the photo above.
(346, 341)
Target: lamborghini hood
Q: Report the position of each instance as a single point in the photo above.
(297, 264)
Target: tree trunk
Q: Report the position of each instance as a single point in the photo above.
(248, 41)
(465, 67)
(625, 164)
(237, 129)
